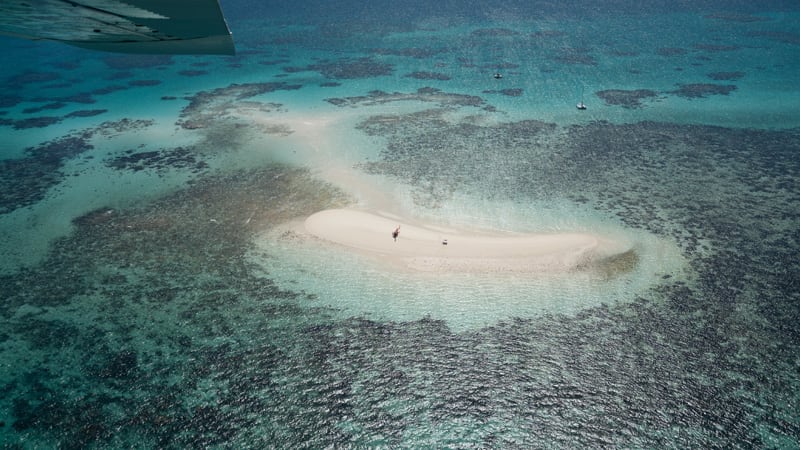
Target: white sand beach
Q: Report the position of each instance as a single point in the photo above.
(422, 247)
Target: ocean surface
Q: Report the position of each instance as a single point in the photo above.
(153, 294)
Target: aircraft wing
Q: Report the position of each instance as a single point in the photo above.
(129, 26)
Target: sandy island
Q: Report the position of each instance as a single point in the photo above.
(421, 246)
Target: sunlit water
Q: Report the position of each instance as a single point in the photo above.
(152, 296)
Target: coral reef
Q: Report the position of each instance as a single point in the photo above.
(630, 99)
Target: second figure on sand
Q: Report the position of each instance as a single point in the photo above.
(396, 233)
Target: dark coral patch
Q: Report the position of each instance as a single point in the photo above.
(25, 181)
(158, 160)
(295, 69)
(548, 34)
(7, 101)
(35, 122)
(32, 77)
(207, 106)
(411, 52)
(427, 76)
(623, 53)
(726, 76)
(347, 68)
(493, 32)
(84, 97)
(120, 366)
(144, 82)
(630, 99)
(274, 62)
(465, 62)
(54, 105)
(87, 113)
(702, 90)
(736, 17)
(119, 126)
(66, 65)
(428, 133)
(510, 92)
(192, 73)
(784, 37)
(120, 75)
(671, 51)
(715, 47)
(235, 92)
(108, 90)
(426, 94)
(575, 56)
(62, 85)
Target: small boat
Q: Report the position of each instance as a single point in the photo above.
(498, 75)
(581, 105)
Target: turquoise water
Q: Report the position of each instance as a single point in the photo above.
(153, 294)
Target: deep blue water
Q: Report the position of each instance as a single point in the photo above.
(132, 190)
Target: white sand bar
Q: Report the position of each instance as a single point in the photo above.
(420, 246)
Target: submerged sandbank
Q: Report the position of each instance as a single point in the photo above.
(424, 247)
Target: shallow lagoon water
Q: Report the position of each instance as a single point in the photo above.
(337, 278)
(150, 297)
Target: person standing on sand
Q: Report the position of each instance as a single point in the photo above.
(396, 233)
